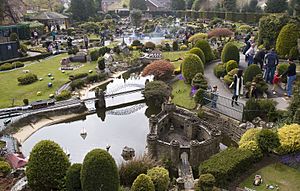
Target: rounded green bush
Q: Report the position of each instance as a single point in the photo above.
(206, 182)
(251, 109)
(287, 39)
(130, 170)
(250, 72)
(94, 54)
(156, 93)
(99, 170)
(191, 65)
(64, 95)
(249, 135)
(199, 81)
(289, 136)
(220, 70)
(205, 47)
(28, 78)
(150, 45)
(230, 65)
(143, 183)
(101, 63)
(73, 177)
(230, 52)
(200, 97)
(160, 178)
(199, 53)
(4, 168)
(47, 167)
(253, 147)
(228, 79)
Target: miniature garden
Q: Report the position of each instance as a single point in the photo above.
(148, 102)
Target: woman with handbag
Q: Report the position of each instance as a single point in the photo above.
(237, 85)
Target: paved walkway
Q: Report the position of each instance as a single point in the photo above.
(226, 92)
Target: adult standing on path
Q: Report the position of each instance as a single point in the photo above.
(259, 58)
(237, 85)
(250, 54)
(291, 77)
(271, 61)
(86, 41)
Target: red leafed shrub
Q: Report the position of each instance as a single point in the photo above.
(220, 32)
(161, 69)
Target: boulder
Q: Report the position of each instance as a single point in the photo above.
(128, 153)
(249, 125)
(269, 125)
(256, 120)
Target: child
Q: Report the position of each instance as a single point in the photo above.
(276, 81)
(214, 97)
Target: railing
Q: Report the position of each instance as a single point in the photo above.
(224, 105)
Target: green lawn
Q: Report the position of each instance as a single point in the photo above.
(173, 55)
(287, 178)
(9, 87)
(181, 95)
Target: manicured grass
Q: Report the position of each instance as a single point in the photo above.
(173, 55)
(9, 87)
(181, 95)
(287, 178)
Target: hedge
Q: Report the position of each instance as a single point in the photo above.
(199, 53)
(79, 83)
(64, 95)
(99, 170)
(10, 66)
(191, 65)
(227, 165)
(205, 47)
(220, 70)
(78, 76)
(28, 78)
(230, 52)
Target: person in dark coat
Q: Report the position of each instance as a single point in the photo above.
(237, 85)
(259, 58)
(271, 62)
(291, 77)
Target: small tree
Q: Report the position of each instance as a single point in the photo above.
(191, 65)
(101, 63)
(252, 71)
(73, 178)
(156, 93)
(160, 178)
(143, 183)
(267, 140)
(220, 33)
(287, 39)
(47, 167)
(99, 171)
(161, 69)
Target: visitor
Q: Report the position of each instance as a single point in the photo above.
(86, 41)
(214, 97)
(259, 58)
(276, 81)
(53, 34)
(246, 48)
(252, 93)
(250, 54)
(248, 36)
(69, 42)
(237, 86)
(36, 37)
(291, 77)
(271, 62)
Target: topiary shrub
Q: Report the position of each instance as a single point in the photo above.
(220, 70)
(94, 54)
(143, 183)
(251, 71)
(99, 170)
(101, 63)
(281, 68)
(5, 168)
(161, 69)
(199, 36)
(199, 53)
(191, 65)
(201, 97)
(206, 182)
(136, 43)
(156, 93)
(228, 79)
(150, 45)
(73, 177)
(47, 167)
(227, 165)
(220, 32)
(28, 78)
(204, 46)
(267, 140)
(289, 136)
(130, 170)
(251, 109)
(160, 178)
(287, 39)
(230, 65)
(253, 147)
(261, 84)
(230, 52)
(199, 81)
(183, 47)
(294, 53)
(64, 95)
